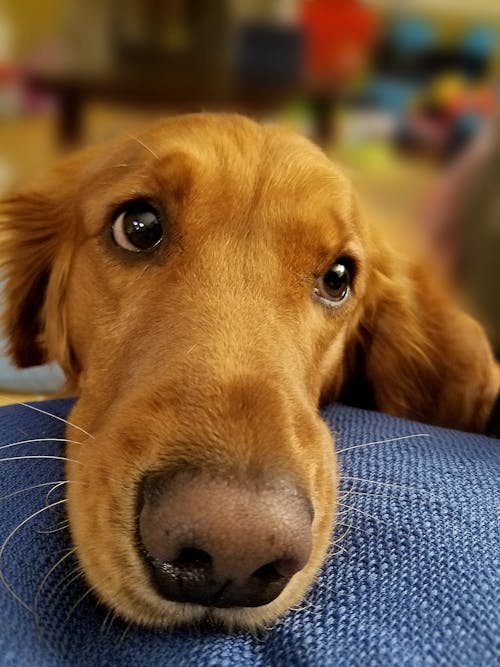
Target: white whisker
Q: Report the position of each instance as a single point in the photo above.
(336, 549)
(381, 442)
(373, 495)
(72, 576)
(49, 414)
(344, 493)
(303, 606)
(44, 580)
(39, 456)
(125, 632)
(28, 442)
(109, 619)
(6, 542)
(57, 486)
(141, 143)
(356, 509)
(349, 525)
(79, 601)
(49, 531)
(28, 488)
(404, 487)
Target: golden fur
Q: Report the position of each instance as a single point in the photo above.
(212, 351)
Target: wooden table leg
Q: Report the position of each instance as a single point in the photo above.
(70, 118)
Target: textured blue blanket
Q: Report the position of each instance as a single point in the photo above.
(414, 579)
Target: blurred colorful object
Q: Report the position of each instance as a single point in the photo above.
(447, 115)
(339, 35)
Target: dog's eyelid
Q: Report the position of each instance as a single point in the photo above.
(118, 207)
(331, 305)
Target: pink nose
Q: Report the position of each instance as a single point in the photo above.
(222, 543)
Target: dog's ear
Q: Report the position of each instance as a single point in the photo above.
(416, 354)
(37, 226)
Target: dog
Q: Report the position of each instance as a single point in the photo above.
(207, 286)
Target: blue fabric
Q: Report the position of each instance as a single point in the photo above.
(414, 580)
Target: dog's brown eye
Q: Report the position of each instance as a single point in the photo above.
(137, 228)
(333, 286)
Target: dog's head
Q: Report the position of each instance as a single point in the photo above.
(206, 286)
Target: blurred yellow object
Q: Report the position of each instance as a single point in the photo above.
(9, 399)
(447, 88)
(374, 156)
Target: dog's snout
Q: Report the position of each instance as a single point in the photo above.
(220, 542)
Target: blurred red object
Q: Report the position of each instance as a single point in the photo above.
(339, 36)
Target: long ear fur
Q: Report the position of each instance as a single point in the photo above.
(36, 227)
(416, 354)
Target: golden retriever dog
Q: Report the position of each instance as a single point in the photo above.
(207, 286)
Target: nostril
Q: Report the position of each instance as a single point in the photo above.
(194, 559)
(267, 574)
(277, 570)
(222, 543)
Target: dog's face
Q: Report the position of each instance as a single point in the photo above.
(206, 286)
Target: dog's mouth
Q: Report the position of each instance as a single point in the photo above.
(237, 561)
(181, 540)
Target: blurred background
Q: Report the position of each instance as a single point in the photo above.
(404, 93)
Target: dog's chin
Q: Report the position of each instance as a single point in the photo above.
(173, 615)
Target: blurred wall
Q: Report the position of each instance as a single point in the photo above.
(33, 21)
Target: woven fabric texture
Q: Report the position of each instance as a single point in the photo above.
(413, 577)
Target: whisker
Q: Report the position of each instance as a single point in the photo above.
(46, 577)
(336, 549)
(6, 542)
(141, 143)
(28, 488)
(371, 516)
(57, 486)
(78, 602)
(49, 414)
(347, 493)
(125, 633)
(381, 442)
(344, 493)
(404, 487)
(349, 525)
(39, 456)
(58, 589)
(335, 544)
(57, 458)
(49, 531)
(373, 495)
(305, 605)
(108, 622)
(27, 442)
(72, 576)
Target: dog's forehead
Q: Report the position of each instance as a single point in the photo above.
(234, 170)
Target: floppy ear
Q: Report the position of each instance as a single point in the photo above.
(36, 228)
(416, 354)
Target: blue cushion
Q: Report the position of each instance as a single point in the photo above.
(414, 579)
